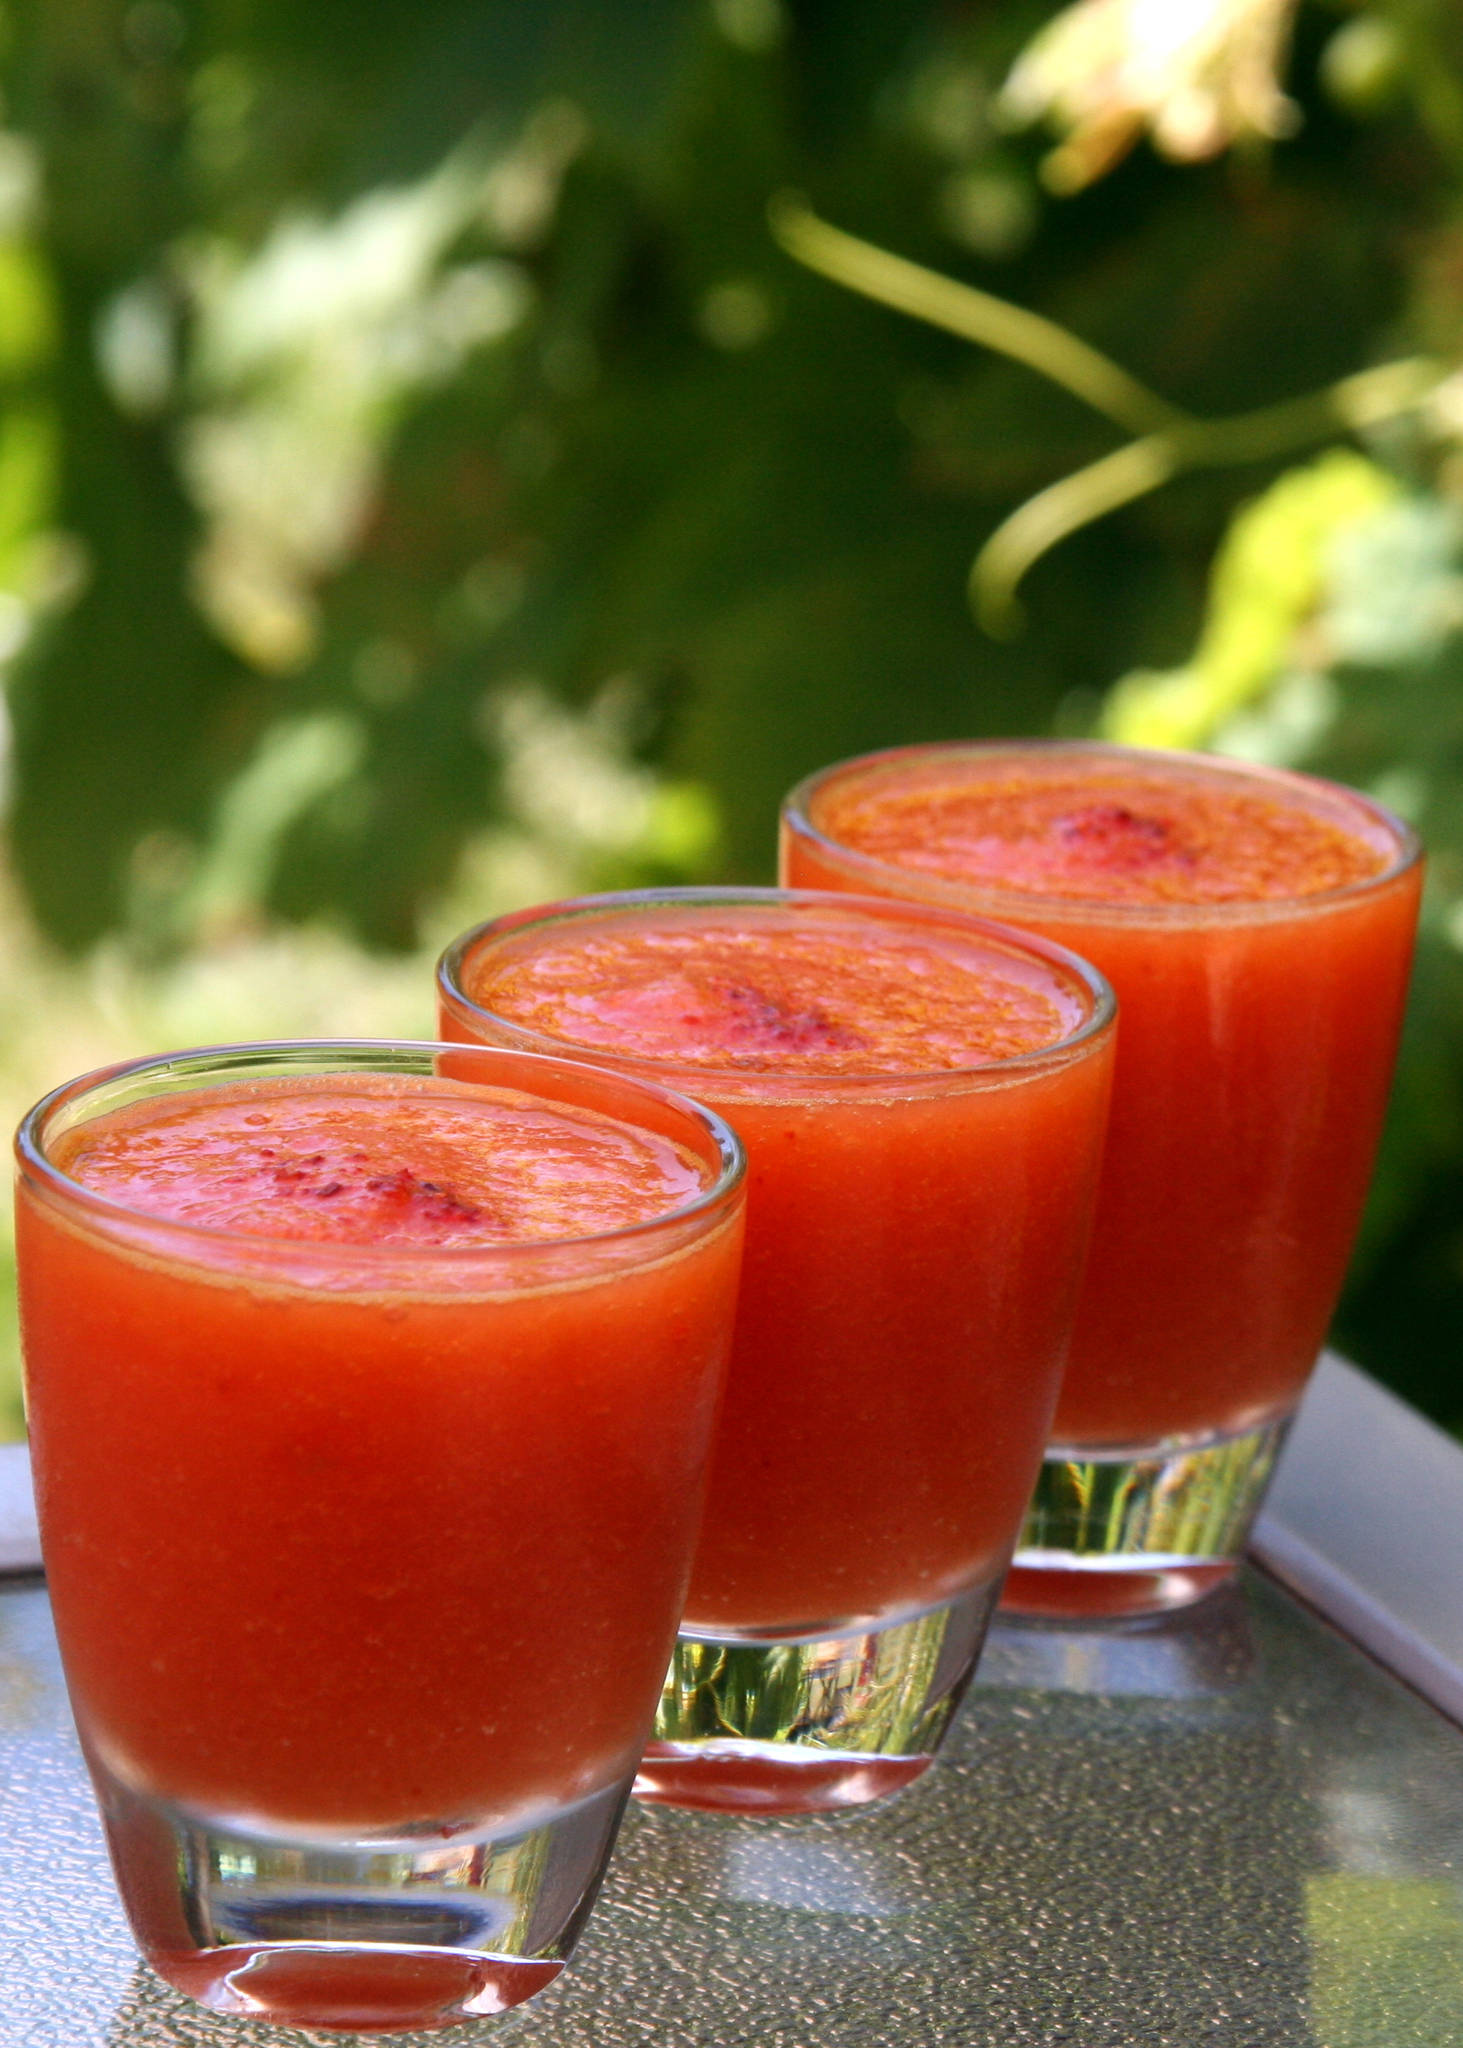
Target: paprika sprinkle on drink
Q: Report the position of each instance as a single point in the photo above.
(1116, 837)
(829, 997)
(379, 1165)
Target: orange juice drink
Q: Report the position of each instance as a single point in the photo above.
(1258, 928)
(922, 1099)
(370, 1395)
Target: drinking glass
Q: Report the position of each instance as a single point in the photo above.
(366, 1552)
(1261, 1007)
(914, 1241)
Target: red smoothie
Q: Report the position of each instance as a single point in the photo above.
(1258, 929)
(369, 1412)
(922, 1102)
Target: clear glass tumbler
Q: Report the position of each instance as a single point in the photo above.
(1258, 927)
(917, 1215)
(370, 1392)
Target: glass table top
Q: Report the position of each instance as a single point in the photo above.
(1231, 1828)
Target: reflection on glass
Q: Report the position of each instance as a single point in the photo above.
(813, 1875)
(1190, 1654)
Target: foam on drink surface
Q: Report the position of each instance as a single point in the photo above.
(380, 1160)
(1116, 833)
(815, 992)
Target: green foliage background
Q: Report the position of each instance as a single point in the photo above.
(380, 386)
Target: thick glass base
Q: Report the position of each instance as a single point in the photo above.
(1138, 1530)
(809, 1722)
(368, 1935)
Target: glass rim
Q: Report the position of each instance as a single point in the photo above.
(789, 1081)
(796, 817)
(365, 1055)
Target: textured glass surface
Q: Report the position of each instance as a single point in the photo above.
(1228, 1828)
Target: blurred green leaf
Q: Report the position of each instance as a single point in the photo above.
(1266, 583)
(585, 521)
